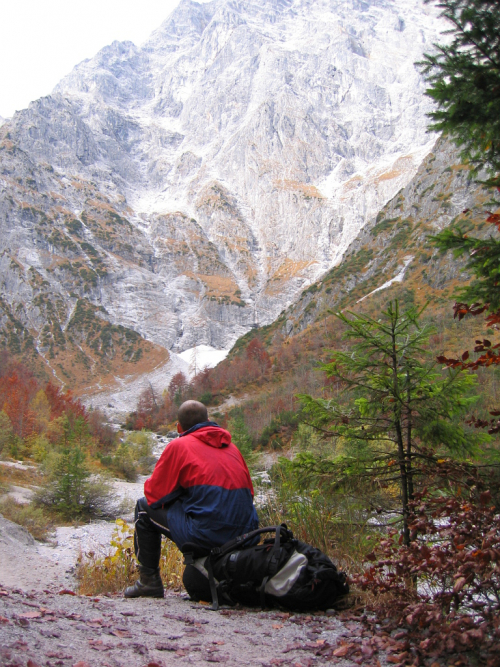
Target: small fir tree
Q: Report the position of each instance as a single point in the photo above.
(70, 482)
(394, 408)
(241, 436)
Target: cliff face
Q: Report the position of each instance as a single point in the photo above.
(392, 255)
(182, 190)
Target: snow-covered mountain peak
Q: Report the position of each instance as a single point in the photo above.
(187, 22)
(243, 146)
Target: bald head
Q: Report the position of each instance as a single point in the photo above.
(191, 413)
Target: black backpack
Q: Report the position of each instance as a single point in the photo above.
(282, 571)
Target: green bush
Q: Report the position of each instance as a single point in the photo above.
(282, 424)
(329, 521)
(123, 463)
(70, 490)
(5, 431)
(241, 437)
(132, 457)
(206, 398)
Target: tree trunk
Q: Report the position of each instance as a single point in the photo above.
(409, 469)
(399, 434)
(404, 480)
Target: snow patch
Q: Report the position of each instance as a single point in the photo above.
(397, 279)
(201, 357)
(118, 402)
(121, 400)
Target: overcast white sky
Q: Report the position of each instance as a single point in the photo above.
(42, 40)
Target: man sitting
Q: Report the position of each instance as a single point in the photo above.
(200, 492)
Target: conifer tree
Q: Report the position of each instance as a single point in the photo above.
(464, 78)
(465, 82)
(394, 406)
(240, 435)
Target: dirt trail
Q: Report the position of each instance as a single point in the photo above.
(42, 621)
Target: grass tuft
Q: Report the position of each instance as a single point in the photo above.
(34, 519)
(118, 569)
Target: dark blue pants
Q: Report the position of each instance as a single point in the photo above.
(150, 525)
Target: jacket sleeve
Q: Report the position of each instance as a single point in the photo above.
(163, 487)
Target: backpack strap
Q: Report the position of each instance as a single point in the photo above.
(274, 558)
(211, 582)
(275, 551)
(238, 542)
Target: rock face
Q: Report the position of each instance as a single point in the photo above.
(392, 251)
(188, 188)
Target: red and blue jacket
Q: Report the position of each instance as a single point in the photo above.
(203, 481)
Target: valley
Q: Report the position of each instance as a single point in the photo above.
(251, 209)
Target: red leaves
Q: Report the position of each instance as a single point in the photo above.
(485, 498)
(444, 588)
(30, 615)
(494, 218)
(63, 402)
(463, 309)
(167, 646)
(459, 584)
(493, 318)
(258, 353)
(18, 392)
(489, 353)
(99, 645)
(397, 659)
(493, 424)
(121, 633)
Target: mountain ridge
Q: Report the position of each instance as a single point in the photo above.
(201, 181)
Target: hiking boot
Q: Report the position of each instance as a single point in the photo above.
(149, 584)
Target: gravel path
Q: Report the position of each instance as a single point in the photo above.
(54, 628)
(43, 622)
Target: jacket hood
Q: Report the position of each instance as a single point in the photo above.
(214, 436)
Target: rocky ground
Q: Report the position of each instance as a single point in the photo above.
(43, 622)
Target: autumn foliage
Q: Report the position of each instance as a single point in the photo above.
(153, 410)
(442, 592)
(31, 406)
(484, 255)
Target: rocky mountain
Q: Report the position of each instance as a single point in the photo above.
(392, 256)
(175, 194)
